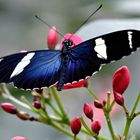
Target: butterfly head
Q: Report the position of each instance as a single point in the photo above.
(67, 42)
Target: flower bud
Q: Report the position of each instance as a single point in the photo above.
(119, 98)
(19, 138)
(98, 104)
(52, 38)
(37, 104)
(82, 83)
(121, 79)
(88, 111)
(23, 115)
(8, 107)
(75, 125)
(96, 126)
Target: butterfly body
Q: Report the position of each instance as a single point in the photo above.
(45, 68)
(66, 50)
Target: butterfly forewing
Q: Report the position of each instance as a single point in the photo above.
(86, 58)
(8, 64)
(116, 45)
(34, 69)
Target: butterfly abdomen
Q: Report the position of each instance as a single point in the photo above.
(66, 50)
(62, 73)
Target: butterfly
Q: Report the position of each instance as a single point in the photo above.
(45, 68)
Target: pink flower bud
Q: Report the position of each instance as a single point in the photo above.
(88, 111)
(98, 104)
(52, 38)
(96, 126)
(37, 104)
(121, 79)
(119, 98)
(19, 138)
(23, 115)
(8, 107)
(75, 125)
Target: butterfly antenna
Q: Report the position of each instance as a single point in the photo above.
(89, 17)
(37, 17)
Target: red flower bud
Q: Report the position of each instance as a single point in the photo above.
(98, 104)
(88, 111)
(121, 79)
(118, 98)
(52, 38)
(23, 115)
(8, 107)
(37, 104)
(96, 126)
(82, 83)
(19, 138)
(75, 125)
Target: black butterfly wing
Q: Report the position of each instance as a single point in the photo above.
(29, 70)
(118, 44)
(86, 58)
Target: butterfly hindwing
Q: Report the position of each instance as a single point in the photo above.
(35, 69)
(82, 62)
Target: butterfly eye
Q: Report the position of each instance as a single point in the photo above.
(70, 42)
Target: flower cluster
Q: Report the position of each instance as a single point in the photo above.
(10, 108)
(120, 82)
(76, 121)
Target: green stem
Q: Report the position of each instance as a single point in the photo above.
(136, 114)
(125, 110)
(108, 120)
(8, 95)
(92, 93)
(54, 109)
(130, 117)
(112, 104)
(127, 126)
(88, 129)
(55, 94)
(74, 138)
(108, 100)
(43, 103)
(18, 102)
(84, 131)
(135, 106)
